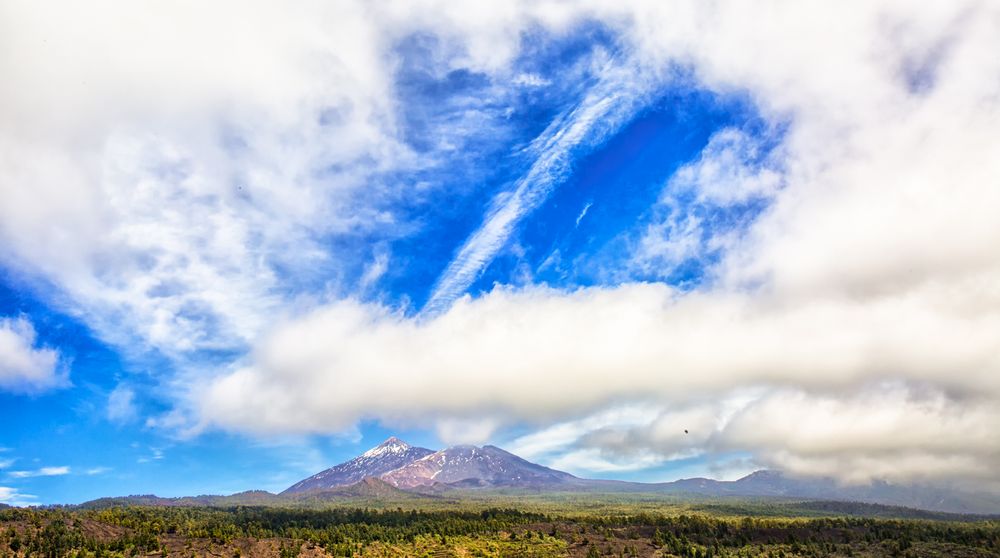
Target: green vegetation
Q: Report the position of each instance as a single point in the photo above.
(254, 531)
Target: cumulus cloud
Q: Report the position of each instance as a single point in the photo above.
(24, 366)
(890, 432)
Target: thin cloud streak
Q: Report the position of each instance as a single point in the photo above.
(43, 472)
(604, 109)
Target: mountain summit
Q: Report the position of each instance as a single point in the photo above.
(387, 456)
(391, 446)
(487, 466)
(404, 466)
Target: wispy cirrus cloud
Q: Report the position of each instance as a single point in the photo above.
(708, 204)
(121, 405)
(42, 472)
(156, 454)
(605, 107)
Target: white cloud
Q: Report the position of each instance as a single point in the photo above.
(156, 454)
(42, 472)
(466, 430)
(732, 168)
(158, 183)
(530, 80)
(375, 269)
(595, 460)
(24, 366)
(559, 437)
(887, 432)
(583, 213)
(121, 404)
(13, 497)
(668, 242)
(541, 353)
(6, 463)
(97, 471)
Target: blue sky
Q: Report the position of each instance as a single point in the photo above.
(572, 231)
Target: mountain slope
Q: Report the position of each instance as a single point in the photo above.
(387, 456)
(368, 491)
(472, 467)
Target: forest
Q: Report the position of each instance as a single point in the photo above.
(257, 531)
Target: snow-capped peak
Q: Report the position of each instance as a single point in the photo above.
(392, 446)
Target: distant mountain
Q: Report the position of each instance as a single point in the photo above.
(387, 456)
(150, 500)
(775, 484)
(476, 467)
(419, 470)
(248, 498)
(368, 491)
(395, 472)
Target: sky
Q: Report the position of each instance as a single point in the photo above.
(241, 242)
